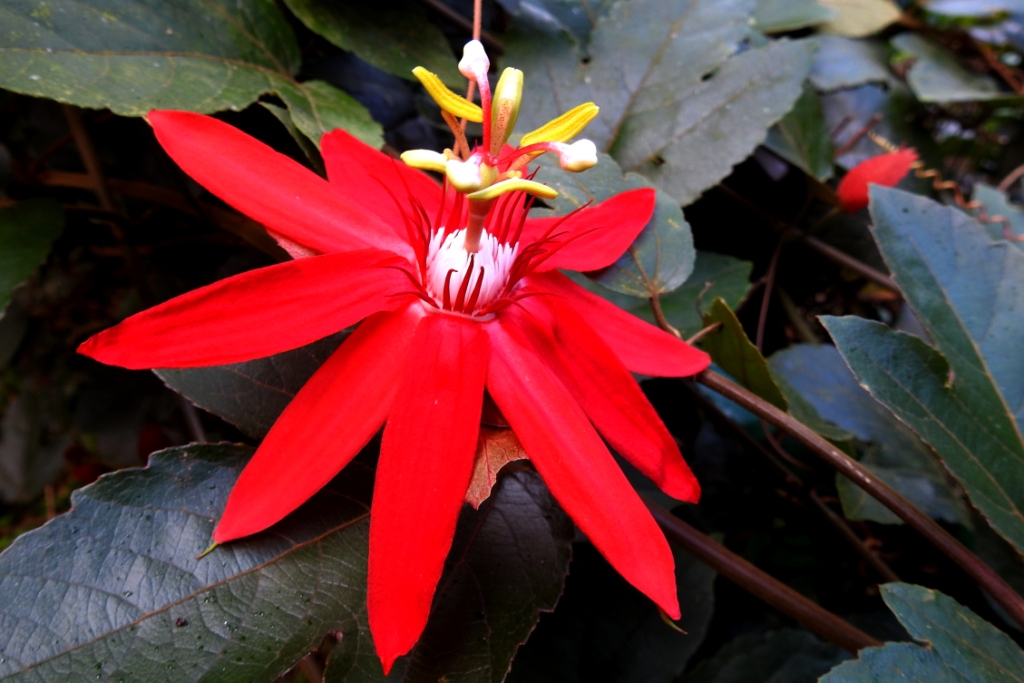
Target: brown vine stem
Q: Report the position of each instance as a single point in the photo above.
(771, 590)
(877, 489)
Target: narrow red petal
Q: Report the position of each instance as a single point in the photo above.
(578, 469)
(365, 175)
(327, 423)
(884, 169)
(426, 460)
(641, 347)
(255, 314)
(269, 187)
(597, 235)
(608, 394)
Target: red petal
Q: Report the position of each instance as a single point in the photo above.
(885, 169)
(338, 410)
(599, 234)
(426, 459)
(363, 174)
(577, 467)
(641, 347)
(609, 395)
(269, 187)
(255, 314)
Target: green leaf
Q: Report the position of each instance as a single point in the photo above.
(776, 16)
(126, 598)
(674, 106)
(894, 453)
(395, 36)
(783, 656)
(27, 230)
(845, 63)
(996, 203)
(937, 76)
(967, 291)
(714, 276)
(732, 351)
(802, 138)
(963, 648)
(575, 17)
(317, 107)
(251, 395)
(661, 257)
(604, 630)
(859, 18)
(196, 55)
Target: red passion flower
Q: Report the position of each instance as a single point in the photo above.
(884, 169)
(459, 292)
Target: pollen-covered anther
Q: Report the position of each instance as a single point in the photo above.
(470, 175)
(467, 282)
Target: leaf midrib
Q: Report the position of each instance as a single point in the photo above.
(148, 615)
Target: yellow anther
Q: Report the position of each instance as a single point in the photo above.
(565, 127)
(508, 95)
(425, 159)
(446, 99)
(514, 185)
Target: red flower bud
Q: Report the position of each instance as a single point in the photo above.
(885, 169)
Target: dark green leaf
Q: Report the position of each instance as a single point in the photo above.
(605, 630)
(508, 564)
(660, 259)
(784, 656)
(937, 76)
(196, 55)
(674, 106)
(894, 453)
(802, 138)
(714, 276)
(967, 291)
(112, 590)
(251, 395)
(845, 62)
(732, 351)
(27, 230)
(963, 648)
(395, 36)
(775, 16)
(576, 17)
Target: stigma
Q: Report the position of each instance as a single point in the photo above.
(465, 281)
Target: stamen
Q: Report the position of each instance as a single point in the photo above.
(471, 304)
(448, 290)
(461, 297)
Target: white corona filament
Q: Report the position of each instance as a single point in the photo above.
(447, 253)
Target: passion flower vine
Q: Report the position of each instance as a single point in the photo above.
(459, 293)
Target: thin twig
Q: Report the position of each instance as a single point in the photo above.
(90, 159)
(1011, 178)
(803, 330)
(494, 45)
(766, 298)
(659, 314)
(840, 525)
(767, 588)
(856, 137)
(1000, 591)
(847, 261)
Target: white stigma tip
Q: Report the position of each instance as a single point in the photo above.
(579, 156)
(474, 63)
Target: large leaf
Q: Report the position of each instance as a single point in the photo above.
(394, 36)
(773, 16)
(251, 395)
(113, 590)
(802, 138)
(576, 17)
(845, 62)
(605, 630)
(965, 397)
(674, 105)
(962, 647)
(937, 76)
(996, 203)
(132, 56)
(894, 453)
(27, 230)
(660, 259)
(783, 656)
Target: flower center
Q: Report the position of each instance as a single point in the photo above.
(463, 281)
